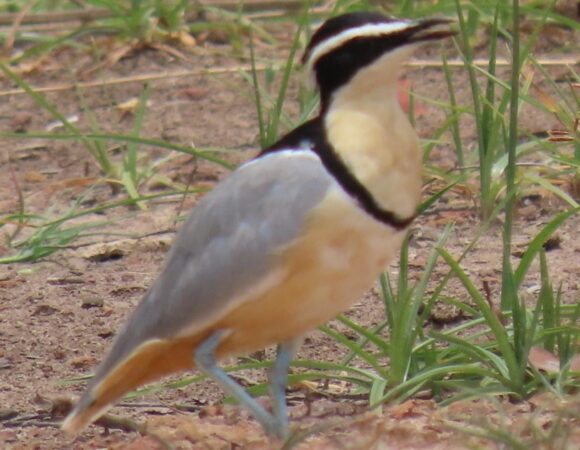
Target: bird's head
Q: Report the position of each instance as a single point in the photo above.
(348, 45)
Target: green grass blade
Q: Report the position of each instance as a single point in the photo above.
(206, 153)
(493, 322)
(536, 244)
(354, 347)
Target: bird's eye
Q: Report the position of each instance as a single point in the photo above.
(344, 59)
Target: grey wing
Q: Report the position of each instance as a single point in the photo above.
(226, 246)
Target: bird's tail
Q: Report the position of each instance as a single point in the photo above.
(150, 361)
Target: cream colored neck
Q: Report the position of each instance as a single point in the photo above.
(373, 89)
(370, 132)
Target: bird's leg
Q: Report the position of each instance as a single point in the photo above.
(279, 380)
(206, 362)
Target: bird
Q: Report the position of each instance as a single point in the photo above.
(290, 238)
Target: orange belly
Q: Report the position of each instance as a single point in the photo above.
(338, 258)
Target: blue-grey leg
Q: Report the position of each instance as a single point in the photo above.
(279, 380)
(205, 361)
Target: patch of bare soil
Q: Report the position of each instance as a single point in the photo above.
(58, 316)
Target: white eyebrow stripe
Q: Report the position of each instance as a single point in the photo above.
(369, 30)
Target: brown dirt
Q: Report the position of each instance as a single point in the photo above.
(58, 316)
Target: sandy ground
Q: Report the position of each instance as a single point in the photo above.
(58, 316)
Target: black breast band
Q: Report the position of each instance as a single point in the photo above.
(311, 135)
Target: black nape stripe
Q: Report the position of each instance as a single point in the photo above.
(311, 135)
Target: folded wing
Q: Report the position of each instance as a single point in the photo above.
(227, 247)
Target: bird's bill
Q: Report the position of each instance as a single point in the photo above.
(432, 29)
